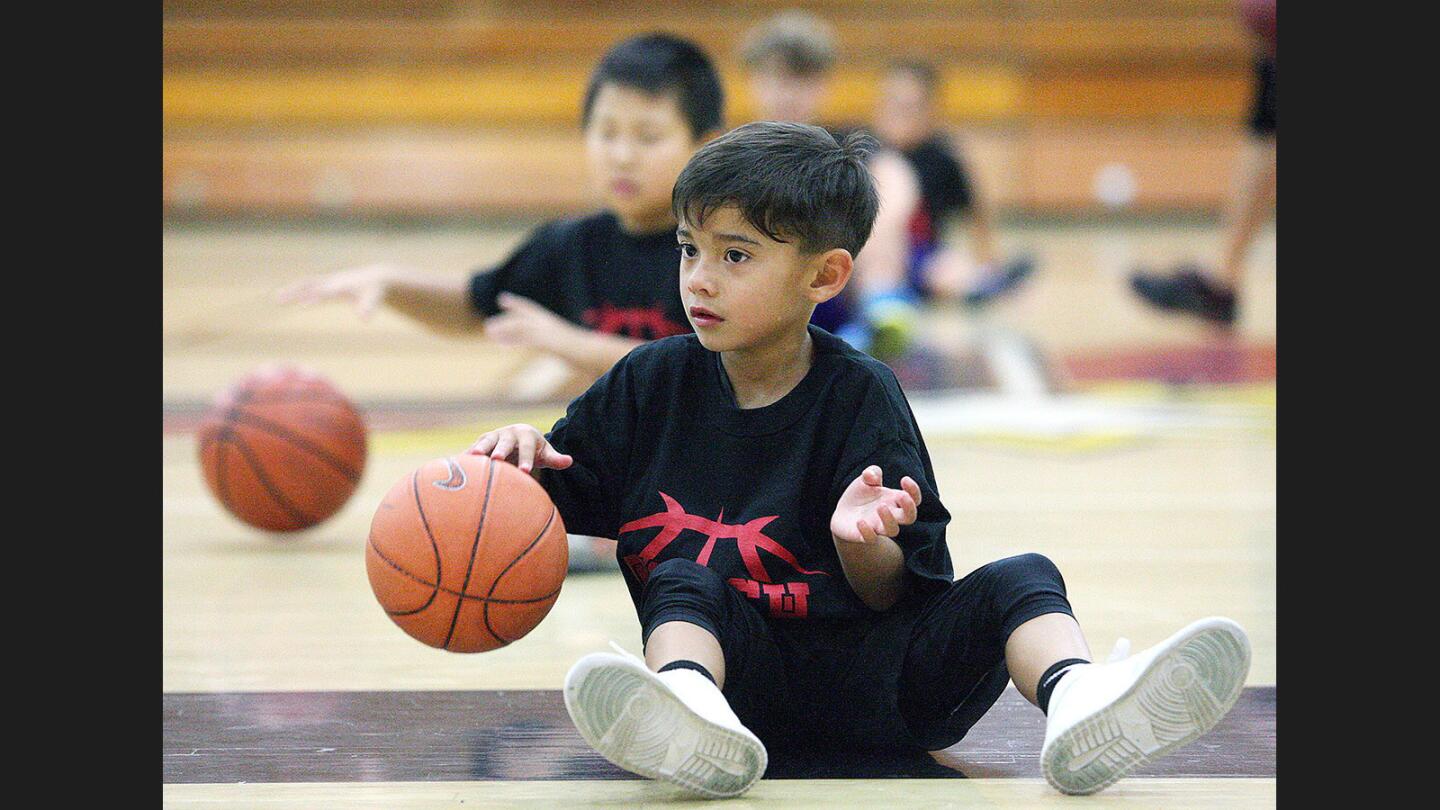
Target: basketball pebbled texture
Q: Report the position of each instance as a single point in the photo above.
(282, 450)
(467, 554)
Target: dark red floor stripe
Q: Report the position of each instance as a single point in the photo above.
(526, 734)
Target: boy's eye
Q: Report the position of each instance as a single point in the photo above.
(733, 255)
(687, 250)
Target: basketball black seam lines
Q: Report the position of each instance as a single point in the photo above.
(224, 440)
(286, 435)
(470, 596)
(474, 549)
(435, 586)
(518, 557)
(429, 535)
(435, 547)
(254, 465)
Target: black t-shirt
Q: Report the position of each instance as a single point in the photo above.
(590, 272)
(666, 463)
(944, 186)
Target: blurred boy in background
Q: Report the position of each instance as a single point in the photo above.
(906, 119)
(585, 289)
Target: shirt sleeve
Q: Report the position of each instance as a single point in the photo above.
(922, 542)
(893, 442)
(596, 431)
(530, 272)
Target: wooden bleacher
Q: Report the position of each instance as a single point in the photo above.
(428, 107)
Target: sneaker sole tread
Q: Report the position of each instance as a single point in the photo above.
(1181, 695)
(634, 723)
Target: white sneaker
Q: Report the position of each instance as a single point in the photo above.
(675, 726)
(1106, 719)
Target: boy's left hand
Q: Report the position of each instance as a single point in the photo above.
(868, 510)
(523, 322)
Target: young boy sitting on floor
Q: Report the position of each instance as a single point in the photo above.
(781, 535)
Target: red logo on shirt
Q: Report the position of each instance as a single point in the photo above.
(637, 322)
(786, 599)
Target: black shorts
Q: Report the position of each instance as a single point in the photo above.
(917, 676)
(1262, 114)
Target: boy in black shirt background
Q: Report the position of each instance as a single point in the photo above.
(591, 288)
(782, 537)
(905, 118)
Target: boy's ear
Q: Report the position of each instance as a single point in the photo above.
(832, 275)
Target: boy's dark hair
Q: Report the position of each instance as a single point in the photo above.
(791, 181)
(663, 63)
(799, 43)
(921, 71)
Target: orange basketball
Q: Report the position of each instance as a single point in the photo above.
(282, 449)
(467, 554)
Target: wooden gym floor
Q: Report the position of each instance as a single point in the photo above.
(1135, 450)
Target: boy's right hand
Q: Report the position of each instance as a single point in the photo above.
(365, 287)
(523, 446)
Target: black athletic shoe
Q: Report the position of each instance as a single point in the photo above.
(997, 284)
(1186, 290)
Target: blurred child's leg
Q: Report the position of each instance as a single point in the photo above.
(946, 272)
(1211, 293)
(1247, 208)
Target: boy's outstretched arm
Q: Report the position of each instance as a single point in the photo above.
(523, 322)
(440, 304)
(866, 518)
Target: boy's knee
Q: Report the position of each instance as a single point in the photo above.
(1037, 564)
(677, 570)
(685, 579)
(682, 590)
(1026, 569)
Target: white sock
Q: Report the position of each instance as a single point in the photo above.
(700, 694)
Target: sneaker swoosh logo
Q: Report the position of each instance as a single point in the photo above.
(723, 764)
(1080, 762)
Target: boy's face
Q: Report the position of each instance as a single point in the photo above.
(784, 96)
(636, 144)
(740, 287)
(904, 115)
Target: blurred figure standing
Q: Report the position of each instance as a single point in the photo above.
(1211, 292)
